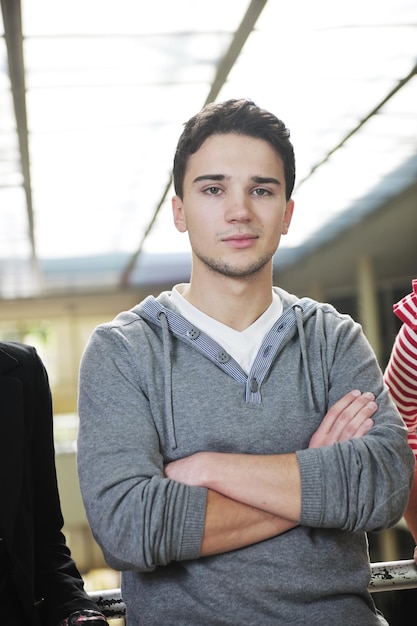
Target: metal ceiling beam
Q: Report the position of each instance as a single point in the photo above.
(246, 27)
(223, 70)
(12, 19)
(401, 83)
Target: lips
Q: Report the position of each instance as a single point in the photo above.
(240, 240)
(240, 237)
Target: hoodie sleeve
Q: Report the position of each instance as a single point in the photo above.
(361, 484)
(139, 518)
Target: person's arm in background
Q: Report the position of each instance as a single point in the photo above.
(401, 378)
(57, 579)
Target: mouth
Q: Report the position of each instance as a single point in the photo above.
(240, 240)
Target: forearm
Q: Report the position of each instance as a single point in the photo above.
(231, 525)
(270, 483)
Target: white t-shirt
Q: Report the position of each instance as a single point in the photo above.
(243, 345)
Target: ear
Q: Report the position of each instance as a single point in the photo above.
(287, 217)
(179, 215)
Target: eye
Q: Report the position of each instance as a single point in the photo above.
(260, 191)
(212, 191)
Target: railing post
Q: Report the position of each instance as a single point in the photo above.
(393, 575)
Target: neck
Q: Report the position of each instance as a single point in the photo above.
(236, 302)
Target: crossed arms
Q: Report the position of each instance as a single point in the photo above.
(255, 497)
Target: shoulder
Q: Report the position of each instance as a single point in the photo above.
(16, 350)
(18, 356)
(137, 322)
(312, 309)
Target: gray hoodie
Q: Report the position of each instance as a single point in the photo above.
(153, 388)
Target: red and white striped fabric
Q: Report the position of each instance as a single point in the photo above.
(401, 372)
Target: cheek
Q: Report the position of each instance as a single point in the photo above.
(201, 221)
(199, 237)
(274, 226)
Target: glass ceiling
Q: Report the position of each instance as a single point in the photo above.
(93, 95)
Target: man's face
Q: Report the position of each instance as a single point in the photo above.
(233, 206)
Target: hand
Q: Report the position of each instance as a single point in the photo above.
(415, 555)
(189, 470)
(85, 617)
(349, 418)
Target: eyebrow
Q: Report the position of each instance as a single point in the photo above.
(259, 180)
(217, 177)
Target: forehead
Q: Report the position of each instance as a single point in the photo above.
(234, 151)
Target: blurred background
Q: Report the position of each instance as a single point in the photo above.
(93, 97)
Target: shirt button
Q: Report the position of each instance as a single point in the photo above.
(253, 386)
(223, 357)
(193, 333)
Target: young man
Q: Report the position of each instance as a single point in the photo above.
(40, 584)
(226, 465)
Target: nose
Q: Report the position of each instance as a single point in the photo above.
(237, 207)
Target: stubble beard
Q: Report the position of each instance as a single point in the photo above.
(219, 266)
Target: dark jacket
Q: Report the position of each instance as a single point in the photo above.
(47, 583)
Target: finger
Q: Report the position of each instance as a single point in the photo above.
(334, 412)
(346, 419)
(354, 421)
(342, 413)
(356, 429)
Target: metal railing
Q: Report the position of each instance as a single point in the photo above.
(386, 576)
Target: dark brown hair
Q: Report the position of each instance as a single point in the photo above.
(242, 117)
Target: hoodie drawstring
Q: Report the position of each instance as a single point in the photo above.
(166, 341)
(300, 327)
